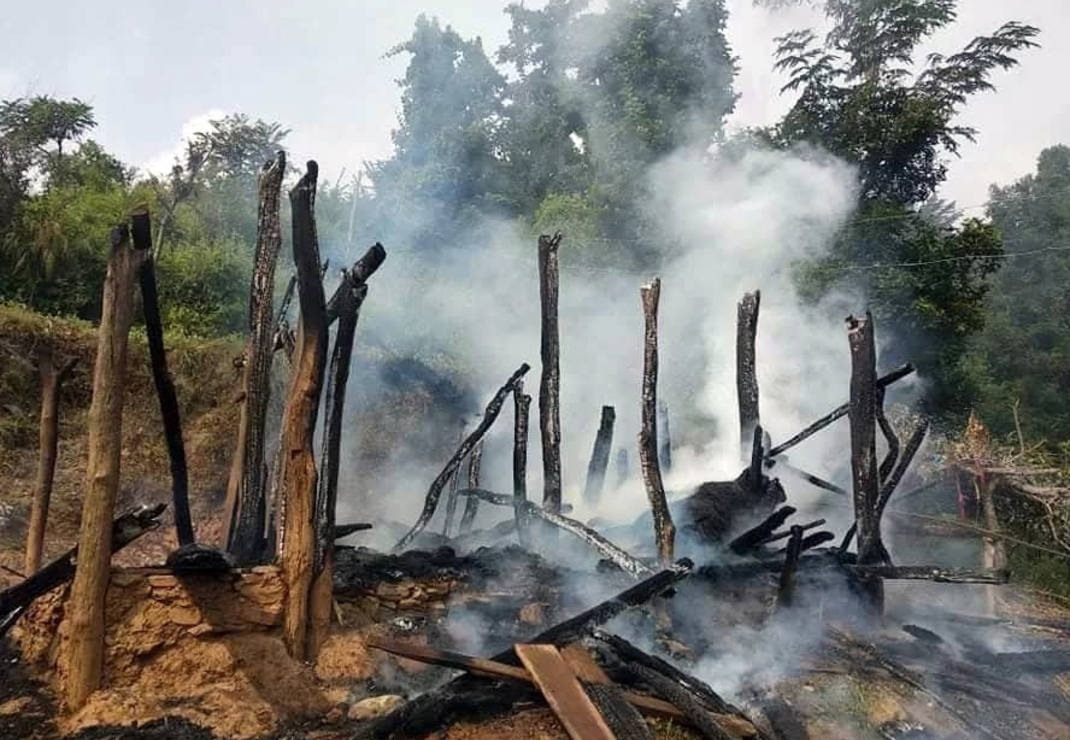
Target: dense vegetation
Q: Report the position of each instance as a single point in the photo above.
(556, 129)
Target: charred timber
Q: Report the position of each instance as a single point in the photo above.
(838, 413)
(890, 437)
(435, 492)
(471, 504)
(611, 552)
(550, 382)
(746, 371)
(664, 529)
(125, 530)
(762, 533)
(141, 233)
(596, 470)
(667, 689)
(810, 478)
(994, 576)
(451, 496)
(245, 509)
(784, 535)
(786, 590)
(344, 530)
(521, 407)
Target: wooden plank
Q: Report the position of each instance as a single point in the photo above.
(591, 673)
(564, 693)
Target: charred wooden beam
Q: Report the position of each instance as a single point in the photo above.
(550, 382)
(746, 370)
(299, 476)
(810, 478)
(664, 438)
(995, 576)
(784, 535)
(86, 607)
(284, 338)
(245, 509)
(344, 530)
(835, 414)
(124, 530)
(471, 504)
(755, 481)
(611, 552)
(667, 689)
(890, 437)
(451, 496)
(664, 529)
(862, 415)
(564, 693)
(435, 492)
(141, 232)
(51, 381)
(757, 535)
(786, 590)
(596, 470)
(521, 406)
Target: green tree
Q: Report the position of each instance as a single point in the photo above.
(1023, 354)
(859, 98)
(42, 126)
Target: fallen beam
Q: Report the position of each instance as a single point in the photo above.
(995, 576)
(435, 492)
(835, 414)
(617, 555)
(563, 692)
(754, 537)
(125, 529)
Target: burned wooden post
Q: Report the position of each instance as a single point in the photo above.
(245, 508)
(622, 466)
(786, 590)
(664, 440)
(141, 232)
(596, 470)
(435, 492)
(862, 416)
(521, 406)
(471, 505)
(51, 381)
(346, 303)
(86, 605)
(550, 383)
(299, 478)
(746, 369)
(664, 529)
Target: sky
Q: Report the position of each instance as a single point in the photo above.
(156, 71)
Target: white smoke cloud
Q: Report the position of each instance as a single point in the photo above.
(161, 164)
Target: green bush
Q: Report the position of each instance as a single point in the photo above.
(204, 288)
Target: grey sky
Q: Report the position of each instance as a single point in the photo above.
(153, 69)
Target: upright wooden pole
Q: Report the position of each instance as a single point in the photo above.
(51, 381)
(471, 505)
(664, 529)
(299, 475)
(746, 368)
(550, 385)
(862, 414)
(521, 405)
(85, 649)
(245, 509)
(596, 470)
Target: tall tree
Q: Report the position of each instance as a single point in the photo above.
(859, 98)
(44, 125)
(1023, 354)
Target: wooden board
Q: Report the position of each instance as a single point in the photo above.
(564, 693)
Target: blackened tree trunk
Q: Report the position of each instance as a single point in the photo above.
(746, 369)
(664, 529)
(245, 508)
(299, 475)
(521, 406)
(86, 605)
(141, 230)
(550, 385)
(51, 381)
(596, 470)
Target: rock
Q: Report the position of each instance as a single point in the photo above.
(375, 706)
(187, 616)
(163, 581)
(336, 715)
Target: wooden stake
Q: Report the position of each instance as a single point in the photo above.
(596, 470)
(299, 476)
(245, 509)
(51, 382)
(862, 415)
(85, 651)
(664, 529)
(550, 383)
(521, 406)
(746, 370)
